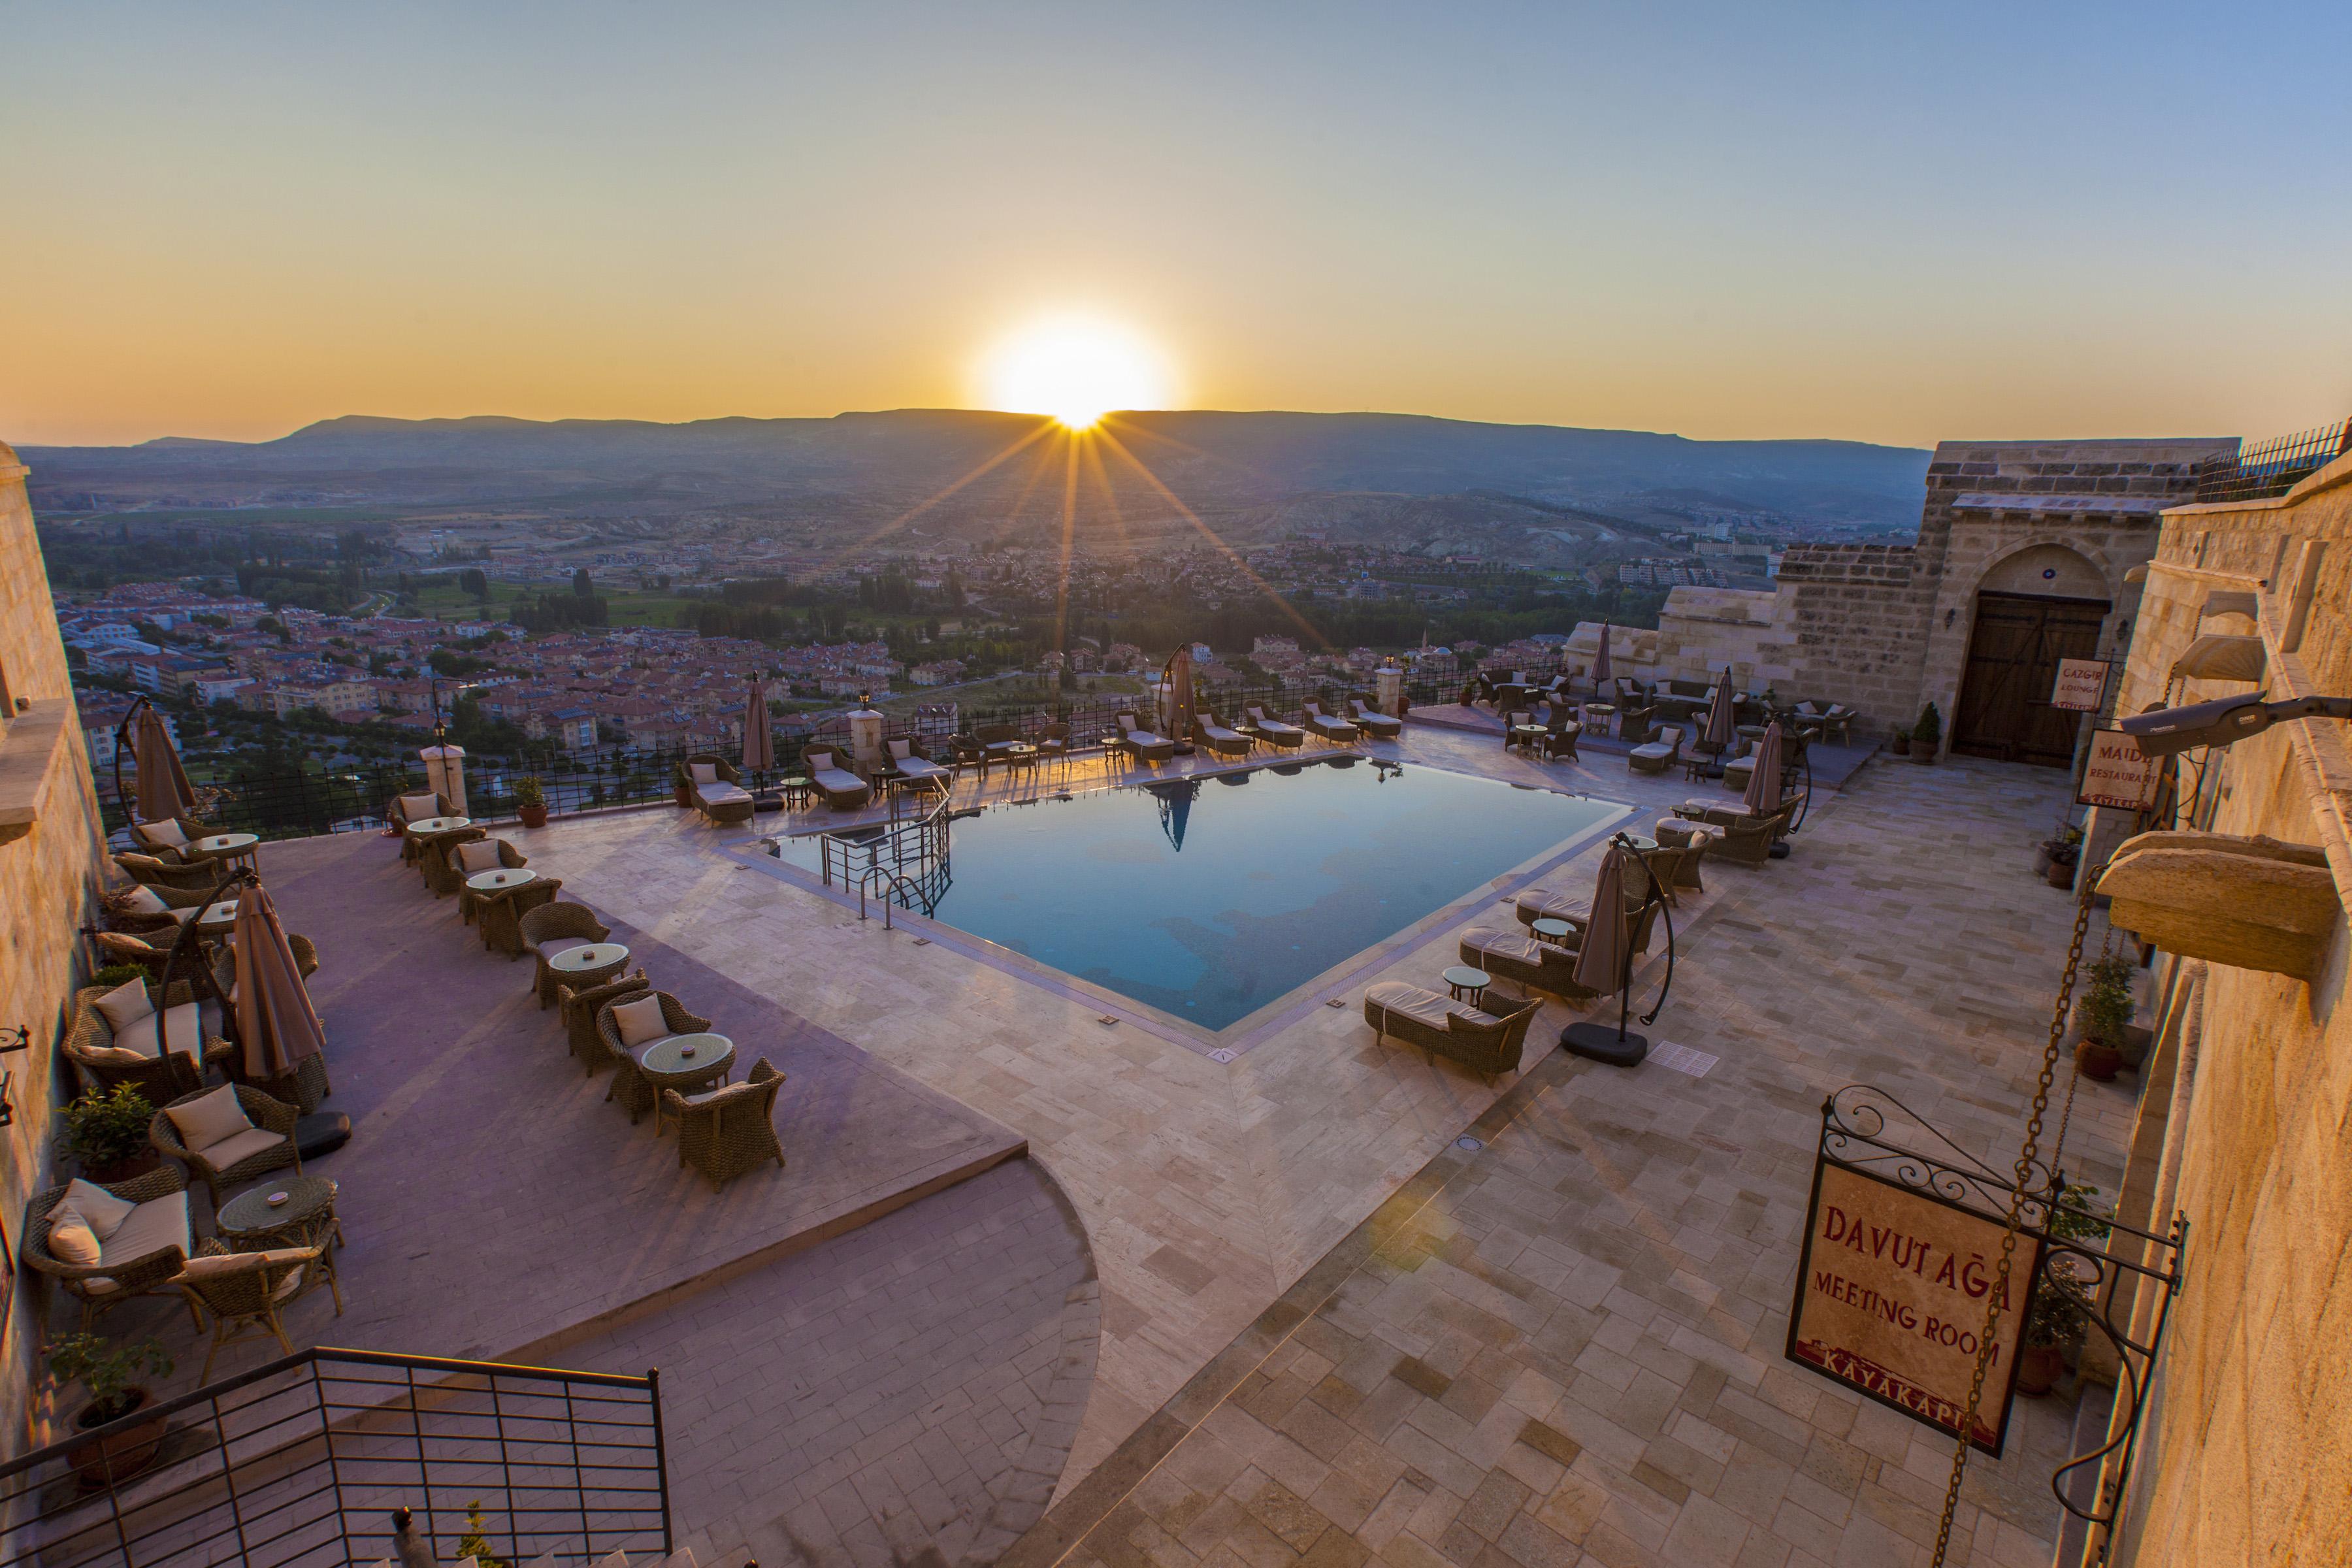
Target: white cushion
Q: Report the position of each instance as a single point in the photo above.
(167, 833)
(101, 1210)
(640, 1021)
(901, 750)
(702, 772)
(238, 1146)
(113, 1056)
(210, 1118)
(72, 1242)
(220, 1263)
(143, 899)
(719, 794)
(126, 1004)
(152, 1227)
(416, 808)
(183, 1025)
(478, 855)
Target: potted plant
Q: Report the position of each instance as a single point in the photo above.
(1900, 742)
(106, 1130)
(2054, 1331)
(530, 801)
(2101, 1016)
(115, 974)
(2064, 855)
(1927, 734)
(476, 1542)
(112, 1373)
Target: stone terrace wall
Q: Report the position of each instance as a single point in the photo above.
(1858, 612)
(2249, 1452)
(47, 876)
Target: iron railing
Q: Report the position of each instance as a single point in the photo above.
(2260, 469)
(301, 1463)
(903, 862)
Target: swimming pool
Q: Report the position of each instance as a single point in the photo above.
(1209, 898)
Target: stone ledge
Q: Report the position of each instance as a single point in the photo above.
(29, 758)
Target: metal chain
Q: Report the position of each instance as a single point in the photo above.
(2024, 1175)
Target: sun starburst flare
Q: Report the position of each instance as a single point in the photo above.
(1074, 369)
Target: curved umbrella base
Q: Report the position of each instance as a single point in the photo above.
(323, 1133)
(1601, 1043)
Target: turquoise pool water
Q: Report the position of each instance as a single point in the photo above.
(1208, 899)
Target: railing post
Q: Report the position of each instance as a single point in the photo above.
(661, 1453)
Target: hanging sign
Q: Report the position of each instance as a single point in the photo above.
(2082, 685)
(2116, 773)
(1892, 1287)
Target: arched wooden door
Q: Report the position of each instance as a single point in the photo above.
(2014, 654)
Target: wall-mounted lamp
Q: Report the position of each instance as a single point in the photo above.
(1950, 616)
(19, 1038)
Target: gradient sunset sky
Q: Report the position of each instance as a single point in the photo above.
(1888, 222)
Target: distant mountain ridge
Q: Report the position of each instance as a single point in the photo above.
(1209, 458)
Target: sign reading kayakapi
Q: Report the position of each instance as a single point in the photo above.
(1891, 1296)
(2118, 773)
(2082, 685)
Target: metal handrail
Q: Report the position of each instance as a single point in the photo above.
(860, 851)
(304, 1470)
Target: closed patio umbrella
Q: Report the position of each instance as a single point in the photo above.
(163, 788)
(1604, 964)
(1717, 735)
(759, 742)
(275, 1024)
(1764, 783)
(1179, 686)
(1601, 670)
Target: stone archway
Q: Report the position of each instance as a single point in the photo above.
(2034, 608)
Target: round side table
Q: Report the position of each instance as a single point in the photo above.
(1469, 984)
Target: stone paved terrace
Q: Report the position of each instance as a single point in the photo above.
(1258, 1309)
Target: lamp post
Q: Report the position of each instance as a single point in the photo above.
(445, 764)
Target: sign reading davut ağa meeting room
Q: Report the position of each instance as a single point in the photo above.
(1901, 1253)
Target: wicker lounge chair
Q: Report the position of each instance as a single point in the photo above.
(1329, 726)
(842, 790)
(1527, 960)
(1143, 744)
(1274, 733)
(500, 912)
(1536, 904)
(630, 1085)
(471, 857)
(550, 930)
(139, 1255)
(267, 1145)
(914, 770)
(578, 1009)
(1745, 835)
(148, 871)
(1656, 756)
(244, 1292)
(715, 788)
(108, 1058)
(1210, 735)
(167, 838)
(1378, 725)
(1484, 1042)
(728, 1130)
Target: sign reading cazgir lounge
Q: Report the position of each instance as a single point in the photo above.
(2081, 686)
(1891, 1297)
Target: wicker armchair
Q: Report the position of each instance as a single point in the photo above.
(145, 1269)
(729, 1130)
(266, 1113)
(90, 1046)
(180, 903)
(463, 861)
(244, 1292)
(629, 1085)
(547, 923)
(142, 833)
(500, 912)
(435, 858)
(578, 1009)
(1559, 737)
(148, 871)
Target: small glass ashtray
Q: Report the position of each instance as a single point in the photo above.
(278, 1200)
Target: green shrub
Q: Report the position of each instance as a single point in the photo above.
(1930, 726)
(105, 1126)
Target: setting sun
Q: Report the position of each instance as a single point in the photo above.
(1076, 369)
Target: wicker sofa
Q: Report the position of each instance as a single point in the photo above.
(105, 1058)
(1484, 1042)
(141, 1256)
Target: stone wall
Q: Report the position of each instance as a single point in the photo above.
(49, 856)
(2246, 1454)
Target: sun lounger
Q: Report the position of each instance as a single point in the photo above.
(1484, 1042)
(1142, 745)
(843, 790)
(1527, 960)
(1330, 727)
(1207, 733)
(1274, 733)
(1658, 755)
(716, 789)
(917, 769)
(1379, 726)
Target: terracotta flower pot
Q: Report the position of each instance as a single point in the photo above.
(2039, 1368)
(111, 1460)
(679, 795)
(1923, 751)
(533, 816)
(2061, 874)
(2099, 1060)
(1900, 745)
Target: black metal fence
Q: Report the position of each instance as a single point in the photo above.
(295, 802)
(2260, 469)
(301, 1463)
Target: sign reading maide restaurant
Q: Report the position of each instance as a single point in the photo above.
(1891, 1298)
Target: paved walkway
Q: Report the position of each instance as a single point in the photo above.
(1565, 1348)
